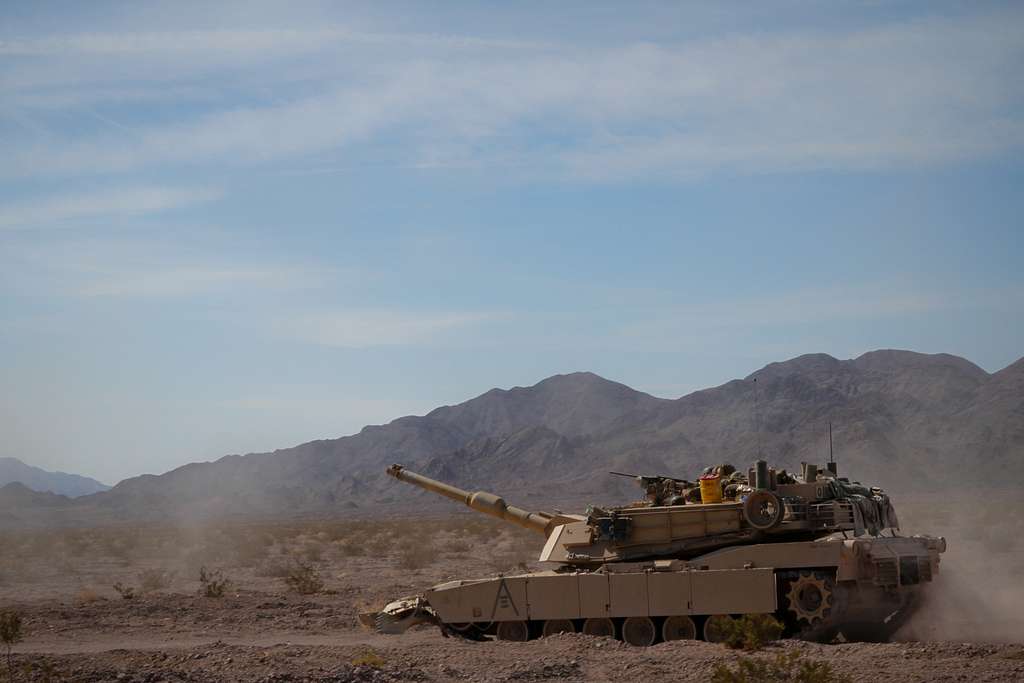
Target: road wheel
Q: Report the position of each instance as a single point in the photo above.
(553, 626)
(599, 627)
(763, 510)
(678, 627)
(517, 631)
(716, 628)
(639, 631)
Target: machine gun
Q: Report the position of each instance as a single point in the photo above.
(660, 489)
(646, 480)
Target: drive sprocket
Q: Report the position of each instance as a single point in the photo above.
(810, 596)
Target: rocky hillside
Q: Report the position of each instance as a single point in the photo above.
(901, 419)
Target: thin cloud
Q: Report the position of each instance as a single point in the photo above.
(656, 321)
(369, 328)
(154, 266)
(184, 281)
(693, 325)
(909, 93)
(260, 42)
(123, 201)
(76, 65)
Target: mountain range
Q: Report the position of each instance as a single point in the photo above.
(900, 419)
(71, 485)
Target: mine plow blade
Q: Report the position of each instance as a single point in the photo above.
(399, 616)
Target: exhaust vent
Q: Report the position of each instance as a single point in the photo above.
(887, 572)
(924, 568)
(909, 571)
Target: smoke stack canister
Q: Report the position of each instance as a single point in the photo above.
(761, 477)
(833, 469)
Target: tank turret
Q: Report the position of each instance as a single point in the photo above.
(649, 530)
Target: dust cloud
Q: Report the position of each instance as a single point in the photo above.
(978, 595)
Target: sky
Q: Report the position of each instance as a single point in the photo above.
(236, 227)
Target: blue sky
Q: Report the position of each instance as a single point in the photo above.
(241, 227)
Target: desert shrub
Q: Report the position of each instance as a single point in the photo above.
(479, 528)
(456, 546)
(76, 544)
(41, 671)
(337, 532)
(195, 558)
(243, 547)
(504, 561)
(353, 548)
(313, 552)
(248, 551)
(304, 579)
(275, 567)
(415, 557)
(66, 567)
(379, 544)
(263, 538)
(37, 546)
(370, 659)
(784, 668)
(120, 546)
(155, 579)
(87, 596)
(10, 634)
(213, 583)
(126, 592)
(751, 631)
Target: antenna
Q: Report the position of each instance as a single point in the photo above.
(757, 420)
(831, 457)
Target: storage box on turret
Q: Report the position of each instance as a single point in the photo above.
(817, 490)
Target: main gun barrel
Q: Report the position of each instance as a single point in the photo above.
(487, 503)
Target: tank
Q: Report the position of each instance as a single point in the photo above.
(821, 554)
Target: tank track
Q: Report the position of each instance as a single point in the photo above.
(856, 612)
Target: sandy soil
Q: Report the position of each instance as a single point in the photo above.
(77, 627)
(423, 655)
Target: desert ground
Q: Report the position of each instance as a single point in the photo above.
(126, 604)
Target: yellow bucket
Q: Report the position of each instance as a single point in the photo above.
(710, 489)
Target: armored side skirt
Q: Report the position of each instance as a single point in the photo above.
(580, 595)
